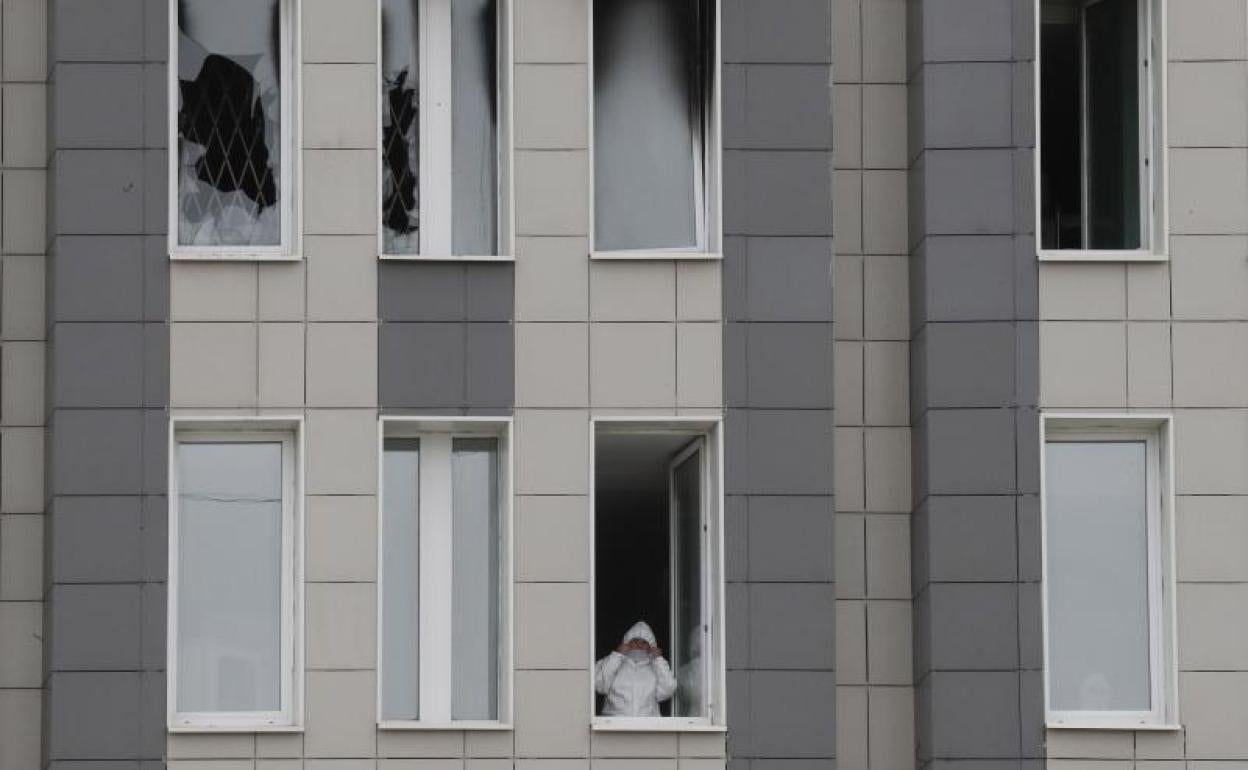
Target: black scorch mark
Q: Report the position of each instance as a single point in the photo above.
(400, 202)
(220, 110)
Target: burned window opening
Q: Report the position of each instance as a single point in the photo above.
(654, 69)
(401, 152)
(230, 116)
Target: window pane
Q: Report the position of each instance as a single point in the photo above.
(689, 631)
(475, 579)
(229, 577)
(474, 73)
(649, 103)
(400, 125)
(229, 123)
(1097, 576)
(1113, 124)
(400, 610)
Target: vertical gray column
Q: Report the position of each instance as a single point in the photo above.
(974, 384)
(778, 383)
(107, 385)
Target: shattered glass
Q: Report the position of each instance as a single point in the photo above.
(400, 138)
(229, 123)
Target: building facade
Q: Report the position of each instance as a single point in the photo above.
(369, 367)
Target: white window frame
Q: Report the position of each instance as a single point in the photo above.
(239, 429)
(1157, 433)
(290, 186)
(1154, 147)
(435, 602)
(711, 431)
(708, 163)
(434, 130)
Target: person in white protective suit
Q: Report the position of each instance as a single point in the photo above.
(635, 678)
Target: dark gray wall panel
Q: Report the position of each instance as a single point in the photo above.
(107, 386)
(777, 304)
(974, 386)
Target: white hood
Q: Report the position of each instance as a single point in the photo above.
(640, 630)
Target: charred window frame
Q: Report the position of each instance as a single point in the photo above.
(1100, 123)
(655, 119)
(233, 137)
(444, 168)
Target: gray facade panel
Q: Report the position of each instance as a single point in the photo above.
(777, 374)
(96, 627)
(96, 540)
(100, 105)
(97, 278)
(98, 365)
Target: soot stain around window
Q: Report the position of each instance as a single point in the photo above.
(400, 201)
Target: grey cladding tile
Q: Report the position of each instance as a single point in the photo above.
(789, 279)
(967, 538)
(98, 365)
(490, 366)
(489, 292)
(94, 31)
(790, 365)
(98, 278)
(97, 451)
(93, 715)
(420, 291)
(421, 364)
(99, 192)
(95, 627)
(801, 33)
(974, 715)
(99, 105)
(791, 626)
(778, 727)
(96, 540)
(790, 452)
(788, 106)
(966, 278)
(791, 538)
(787, 193)
(973, 626)
(969, 451)
(969, 364)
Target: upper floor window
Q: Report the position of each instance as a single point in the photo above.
(656, 128)
(445, 569)
(1108, 659)
(233, 605)
(442, 127)
(232, 155)
(1100, 181)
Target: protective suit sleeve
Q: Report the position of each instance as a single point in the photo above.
(605, 671)
(665, 681)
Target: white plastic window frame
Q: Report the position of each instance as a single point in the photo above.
(434, 132)
(1157, 433)
(711, 430)
(1155, 157)
(708, 162)
(435, 597)
(290, 196)
(238, 429)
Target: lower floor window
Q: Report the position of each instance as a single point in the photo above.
(657, 572)
(232, 582)
(443, 572)
(1106, 527)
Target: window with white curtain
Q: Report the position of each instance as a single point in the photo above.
(232, 155)
(233, 603)
(442, 134)
(655, 126)
(1106, 534)
(444, 574)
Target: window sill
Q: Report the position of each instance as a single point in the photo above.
(1101, 255)
(184, 729)
(232, 256)
(654, 725)
(653, 254)
(445, 258)
(1117, 725)
(400, 725)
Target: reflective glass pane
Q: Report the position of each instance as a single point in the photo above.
(689, 632)
(650, 95)
(475, 579)
(400, 610)
(229, 123)
(1113, 124)
(229, 577)
(474, 74)
(1096, 575)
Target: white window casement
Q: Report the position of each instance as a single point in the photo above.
(1101, 130)
(235, 585)
(1107, 513)
(655, 120)
(233, 137)
(444, 627)
(657, 557)
(445, 99)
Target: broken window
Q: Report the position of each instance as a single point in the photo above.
(232, 172)
(656, 573)
(654, 64)
(1096, 132)
(440, 117)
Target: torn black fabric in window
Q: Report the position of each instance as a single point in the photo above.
(229, 123)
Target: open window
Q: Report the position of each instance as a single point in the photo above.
(232, 152)
(658, 562)
(1108, 587)
(656, 129)
(233, 599)
(1101, 150)
(444, 129)
(444, 646)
